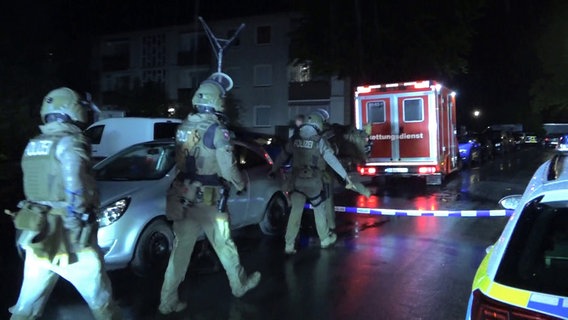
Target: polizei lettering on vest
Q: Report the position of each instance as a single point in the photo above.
(306, 144)
(38, 148)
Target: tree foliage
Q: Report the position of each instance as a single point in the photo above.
(387, 40)
(549, 91)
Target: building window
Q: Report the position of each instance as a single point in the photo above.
(154, 75)
(263, 75)
(262, 116)
(413, 110)
(376, 111)
(115, 55)
(194, 49)
(115, 82)
(154, 51)
(191, 78)
(300, 71)
(263, 34)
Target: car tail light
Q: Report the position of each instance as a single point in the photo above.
(485, 308)
(423, 170)
(367, 171)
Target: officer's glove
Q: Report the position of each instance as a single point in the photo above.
(349, 184)
(357, 187)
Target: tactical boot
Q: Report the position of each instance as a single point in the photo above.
(108, 312)
(251, 282)
(325, 243)
(167, 308)
(289, 249)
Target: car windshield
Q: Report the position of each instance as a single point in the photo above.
(536, 258)
(147, 161)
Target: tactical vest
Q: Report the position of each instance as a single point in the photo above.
(195, 152)
(307, 159)
(43, 179)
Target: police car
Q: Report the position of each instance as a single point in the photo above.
(524, 275)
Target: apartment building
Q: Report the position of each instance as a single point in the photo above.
(271, 87)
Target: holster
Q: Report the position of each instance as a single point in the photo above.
(32, 217)
(180, 196)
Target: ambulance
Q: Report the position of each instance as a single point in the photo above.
(412, 130)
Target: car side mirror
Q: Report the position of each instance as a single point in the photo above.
(510, 202)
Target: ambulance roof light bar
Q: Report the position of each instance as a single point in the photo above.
(416, 84)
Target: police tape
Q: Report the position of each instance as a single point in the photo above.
(422, 213)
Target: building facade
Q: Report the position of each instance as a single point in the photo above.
(270, 86)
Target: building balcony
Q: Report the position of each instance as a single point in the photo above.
(309, 90)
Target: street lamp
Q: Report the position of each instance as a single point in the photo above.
(476, 113)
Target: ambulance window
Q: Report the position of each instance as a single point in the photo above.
(376, 111)
(413, 110)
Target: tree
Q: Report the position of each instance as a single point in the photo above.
(549, 91)
(372, 41)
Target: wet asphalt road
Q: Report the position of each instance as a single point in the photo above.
(380, 268)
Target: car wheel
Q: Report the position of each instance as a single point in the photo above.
(275, 216)
(153, 249)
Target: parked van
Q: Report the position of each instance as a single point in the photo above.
(111, 135)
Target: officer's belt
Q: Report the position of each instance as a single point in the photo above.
(206, 179)
(52, 204)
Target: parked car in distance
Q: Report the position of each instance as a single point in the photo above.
(523, 275)
(470, 150)
(133, 230)
(502, 140)
(108, 136)
(562, 145)
(530, 138)
(551, 140)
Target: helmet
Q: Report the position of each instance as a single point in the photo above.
(315, 119)
(324, 114)
(210, 95)
(63, 104)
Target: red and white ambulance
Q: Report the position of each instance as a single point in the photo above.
(412, 129)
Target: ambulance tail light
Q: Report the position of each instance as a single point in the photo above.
(367, 171)
(426, 170)
(485, 308)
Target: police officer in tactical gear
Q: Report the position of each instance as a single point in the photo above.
(197, 200)
(57, 221)
(310, 155)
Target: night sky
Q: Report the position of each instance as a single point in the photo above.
(502, 63)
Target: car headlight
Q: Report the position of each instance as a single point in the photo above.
(112, 212)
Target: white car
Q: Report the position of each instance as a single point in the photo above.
(524, 275)
(133, 230)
